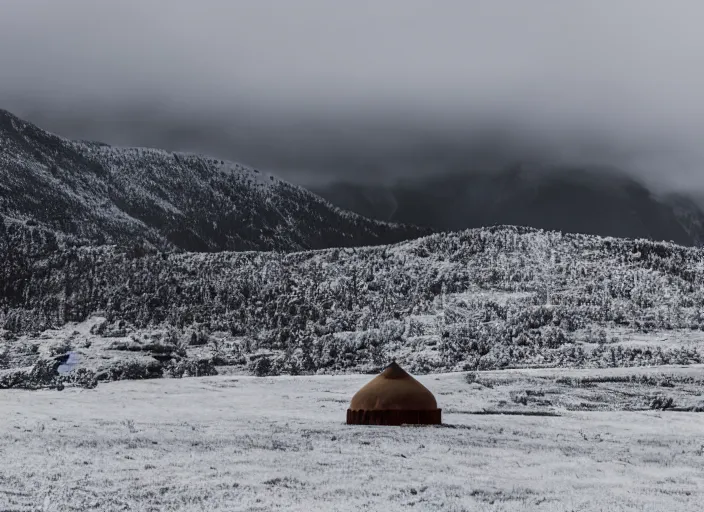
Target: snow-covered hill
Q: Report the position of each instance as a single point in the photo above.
(485, 298)
(127, 196)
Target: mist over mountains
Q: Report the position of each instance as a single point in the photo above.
(372, 93)
(118, 195)
(597, 201)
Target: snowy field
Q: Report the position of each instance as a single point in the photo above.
(244, 443)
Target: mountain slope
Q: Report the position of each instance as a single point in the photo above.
(689, 213)
(580, 200)
(170, 200)
(486, 298)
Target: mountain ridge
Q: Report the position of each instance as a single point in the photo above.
(104, 194)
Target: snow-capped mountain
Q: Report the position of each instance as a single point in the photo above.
(596, 201)
(104, 194)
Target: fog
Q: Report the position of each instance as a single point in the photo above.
(371, 90)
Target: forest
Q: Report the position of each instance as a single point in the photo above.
(478, 299)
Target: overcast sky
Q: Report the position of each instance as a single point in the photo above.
(323, 88)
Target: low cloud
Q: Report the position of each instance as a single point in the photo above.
(319, 90)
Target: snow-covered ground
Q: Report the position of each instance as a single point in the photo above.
(245, 443)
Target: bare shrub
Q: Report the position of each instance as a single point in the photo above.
(59, 347)
(4, 357)
(285, 482)
(43, 374)
(520, 397)
(262, 367)
(7, 335)
(131, 369)
(198, 337)
(83, 378)
(129, 424)
(99, 328)
(662, 403)
(191, 368)
(31, 349)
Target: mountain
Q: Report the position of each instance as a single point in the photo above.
(577, 200)
(689, 213)
(484, 298)
(108, 195)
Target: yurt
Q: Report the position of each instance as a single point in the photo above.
(393, 398)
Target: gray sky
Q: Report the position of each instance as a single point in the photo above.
(316, 88)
